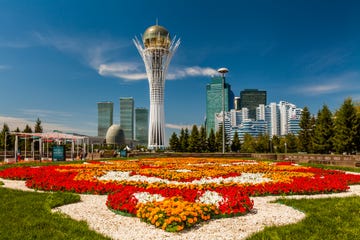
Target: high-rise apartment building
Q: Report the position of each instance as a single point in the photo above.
(251, 99)
(105, 117)
(127, 117)
(141, 125)
(214, 101)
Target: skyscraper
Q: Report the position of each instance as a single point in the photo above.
(156, 50)
(251, 99)
(105, 117)
(127, 117)
(141, 125)
(214, 101)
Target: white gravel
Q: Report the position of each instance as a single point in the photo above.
(93, 210)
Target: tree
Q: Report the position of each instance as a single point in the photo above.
(323, 131)
(219, 140)
(5, 131)
(194, 140)
(236, 144)
(291, 143)
(248, 146)
(211, 143)
(305, 140)
(184, 140)
(346, 128)
(38, 128)
(27, 140)
(203, 139)
(262, 143)
(174, 142)
(275, 142)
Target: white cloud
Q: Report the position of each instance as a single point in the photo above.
(326, 84)
(178, 126)
(132, 71)
(127, 71)
(97, 53)
(4, 67)
(94, 51)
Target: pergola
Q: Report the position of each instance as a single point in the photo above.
(55, 136)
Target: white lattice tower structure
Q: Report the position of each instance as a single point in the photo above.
(156, 51)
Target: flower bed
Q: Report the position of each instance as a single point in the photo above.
(177, 193)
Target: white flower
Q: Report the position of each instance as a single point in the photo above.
(144, 197)
(210, 197)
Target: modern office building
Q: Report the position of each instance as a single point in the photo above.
(214, 101)
(105, 117)
(156, 50)
(251, 99)
(127, 117)
(141, 126)
(237, 103)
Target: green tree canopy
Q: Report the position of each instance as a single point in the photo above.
(203, 139)
(323, 131)
(174, 142)
(305, 134)
(38, 128)
(235, 144)
(211, 144)
(194, 140)
(248, 146)
(184, 140)
(346, 128)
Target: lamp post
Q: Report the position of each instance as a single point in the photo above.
(222, 71)
(5, 147)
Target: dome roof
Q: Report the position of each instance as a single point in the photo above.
(156, 36)
(115, 135)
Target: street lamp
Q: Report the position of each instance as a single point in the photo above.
(5, 147)
(222, 71)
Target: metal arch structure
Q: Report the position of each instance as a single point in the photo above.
(156, 60)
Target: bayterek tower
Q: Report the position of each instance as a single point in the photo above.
(156, 50)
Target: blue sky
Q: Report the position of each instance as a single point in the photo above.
(59, 58)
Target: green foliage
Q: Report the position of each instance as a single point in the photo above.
(211, 144)
(323, 131)
(194, 140)
(219, 140)
(262, 143)
(184, 140)
(27, 215)
(235, 144)
(305, 134)
(329, 218)
(5, 131)
(346, 130)
(202, 140)
(291, 143)
(275, 142)
(249, 144)
(174, 142)
(38, 128)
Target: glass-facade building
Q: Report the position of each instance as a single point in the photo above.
(214, 101)
(127, 117)
(251, 99)
(105, 117)
(141, 126)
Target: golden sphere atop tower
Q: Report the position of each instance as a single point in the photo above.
(156, 36)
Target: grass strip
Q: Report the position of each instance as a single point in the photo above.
(27, 215)
(329, 218)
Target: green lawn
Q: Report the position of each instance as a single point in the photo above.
(27, 215)
(330, 218)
